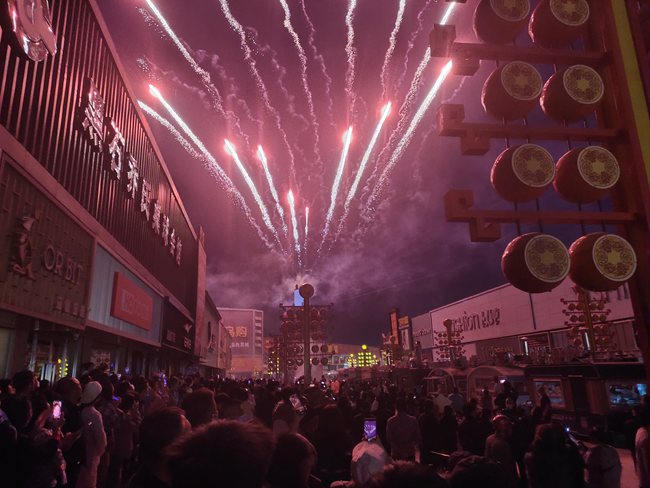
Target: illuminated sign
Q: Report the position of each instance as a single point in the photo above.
(32, 25)
(131, 303)
(105, 137)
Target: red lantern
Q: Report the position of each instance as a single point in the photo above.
(572, 94)
(522, 173)
(558, 22)
(512, 90)
(601, 262)
(586, 174)
(500, 21)
(535, 262)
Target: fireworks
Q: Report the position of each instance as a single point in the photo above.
(351, 53)
(391, 47)
(274, 193)
(347, 139)
(294, 222)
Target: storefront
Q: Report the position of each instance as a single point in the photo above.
(99, 252)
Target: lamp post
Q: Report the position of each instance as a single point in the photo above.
(307, 291)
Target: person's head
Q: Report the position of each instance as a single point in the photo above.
(474, 471)
(448, 411)
(548, 438)
(400, 405)
(128, 400)
(158, 431)
(222, 453)
(510, 403)
(200, 407)
(6, 388)
(292, 462)
(230, 409)
(70, 390)
(25, 382)
(502, 426)
(455, 390)
(428, 406)
(286, 393)
(402, 473)
(91, 393)
(368, 459)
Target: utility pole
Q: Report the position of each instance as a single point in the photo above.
(307, 291)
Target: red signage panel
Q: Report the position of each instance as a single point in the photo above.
(131, 303)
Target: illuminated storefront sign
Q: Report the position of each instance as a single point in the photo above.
(131, 303)
(32, 25)
(106, 138)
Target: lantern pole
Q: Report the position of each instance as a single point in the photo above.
(307, 291)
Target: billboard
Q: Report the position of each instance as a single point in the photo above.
(240, 324)
(422, 331)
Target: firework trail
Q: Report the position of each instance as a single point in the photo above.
(248, 56)
(274, 193)
(347, 139)
(391, 47)
(320, 60)
(351, 52)
(230, 149)
(206, 158)
(408, 135)
(411, 41)
(303, 77)
(306, 226)
(294, 222)
(362, 166)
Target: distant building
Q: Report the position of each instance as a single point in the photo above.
(215, 356)
(246, 327)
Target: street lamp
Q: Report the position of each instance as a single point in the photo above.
(307, 291)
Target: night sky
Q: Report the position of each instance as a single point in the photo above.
(400, 252)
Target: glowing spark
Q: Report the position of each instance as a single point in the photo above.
(213, 167)
(203, 74)
(391, 46)
(408, 135)
(347, 139)
(306, 224)
(303, 77)
(230, 149)
(411, 42)
(294, 221)
(364, 161)
(447, 15)
(274, 193)
(352, 55)
(248, 56)
(320, 60)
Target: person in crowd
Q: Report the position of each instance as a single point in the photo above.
(487, 405)
(369, 458)
(457, 400)
(93, 434)
(333, 445)
(603, 463)
(106, 405)
(157, 432)
(430, 432)
(498, 449)
(219, 454)
(14, 456)
(477, 471)
(69, 390)
(126, 426)
(403, 434)
(470, 431)
(292, 463)
(284, 417)
(25, 383)
(642, 448)
(448, 430)
(552, 462)
(407, 474)
(200, 407)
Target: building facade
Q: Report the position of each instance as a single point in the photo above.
(505, 320)
(99, 262)
(246, 327)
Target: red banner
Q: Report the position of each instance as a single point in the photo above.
(131, 303)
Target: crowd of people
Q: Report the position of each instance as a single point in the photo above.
(108, 431)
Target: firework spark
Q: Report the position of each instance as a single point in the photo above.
(248, 56)
(303, 77)
(391, 47)
(306, 225)
(347, 139)
(411, 41)
(362, 166)
(230, 149)
(320, 60)
(274, 193)
(204, 156)
(351, 52)
(294, 221)
(408, 135)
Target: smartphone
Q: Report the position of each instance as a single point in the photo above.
(56, 409)
(295, 401)
(370, 429)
